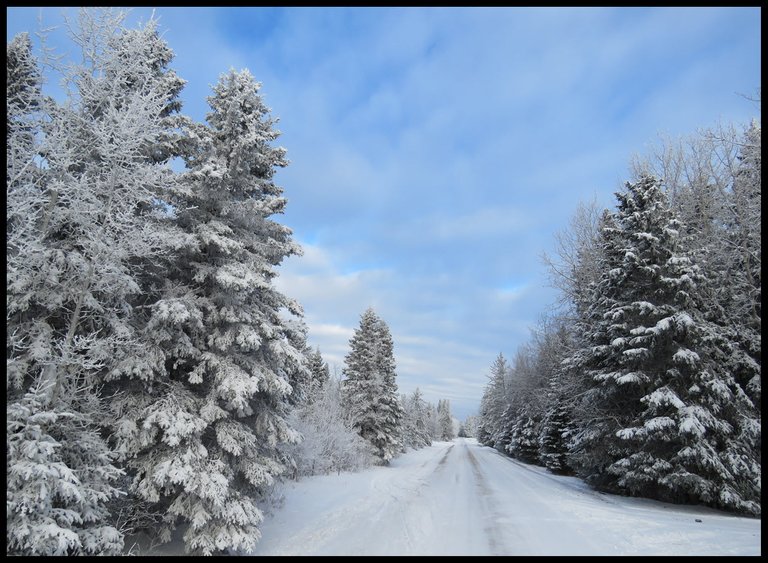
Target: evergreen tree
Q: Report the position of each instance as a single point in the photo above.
(80, 222)
(419, 413)
(370, 390)
(202, 432)
(23, 118)
(554, 435)
(556, 425)
(300, 378)
(432, 424)
(470, 427)
(599, 407)
(318, 369)
(415, 427)
(493, 404)
(675, 422)
(713, 180)
(524, 438)
(445, 420)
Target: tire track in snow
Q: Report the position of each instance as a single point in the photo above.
(491, 527)
(441, 463)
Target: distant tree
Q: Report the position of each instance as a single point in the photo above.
(318, 369)
(416, 423)
(432, 422)
(445, 420)
(469, 427)
(370, 390)
(493, 404)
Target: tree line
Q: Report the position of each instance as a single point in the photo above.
(646, 379)
(156, 378)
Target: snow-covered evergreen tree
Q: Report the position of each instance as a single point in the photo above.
(556, 425)
(60, 475)
(524, 438)
(493, 404)
(370, 390)
(672, 419)
(741, 308)
(525, 406)
(202, 432)
(416, 430)
(80, 222)
(23, 117)
(469, 426)
(445, 420)
(713, 181)
(319, 372)
(554, 435)
(432, 422)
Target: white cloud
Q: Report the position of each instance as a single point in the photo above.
(435, 152)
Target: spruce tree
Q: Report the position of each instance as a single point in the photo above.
(319, 372)
(445, 420)
(675, 422)
(554, 436)
(524, 439)
(202, 432)
(493, 404)
(370, 390)
(557, 425)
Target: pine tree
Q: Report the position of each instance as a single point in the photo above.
(24, 102)
(599, 407)
(415, 426)
(470, 426)
(713, 181)
(432, 423)
(203, 433)
(301, 378)
(370, 390)
(60, 472)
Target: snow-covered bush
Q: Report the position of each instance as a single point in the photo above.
(330, 443)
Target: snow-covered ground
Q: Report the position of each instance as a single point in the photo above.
(460, 498)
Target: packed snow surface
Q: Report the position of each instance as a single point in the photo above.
(460, 498)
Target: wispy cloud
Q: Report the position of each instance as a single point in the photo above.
(435, 151)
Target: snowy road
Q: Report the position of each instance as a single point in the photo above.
(459, 498)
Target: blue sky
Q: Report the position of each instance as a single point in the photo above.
(435, 152)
